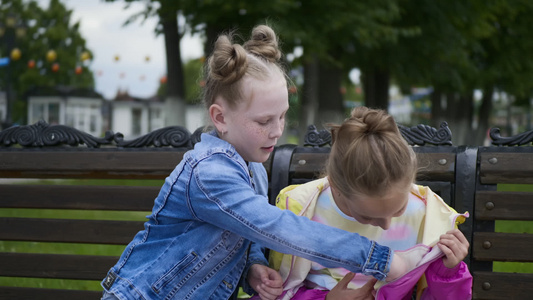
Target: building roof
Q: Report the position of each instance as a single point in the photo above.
(64, 91)
(124, 96)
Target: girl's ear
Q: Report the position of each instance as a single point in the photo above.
(216, 113)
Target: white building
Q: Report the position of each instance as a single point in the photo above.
(134, 117)
(87, 111)
(77, 108)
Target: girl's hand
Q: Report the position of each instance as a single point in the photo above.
(341, 290)
(265, 281)
(455, 246)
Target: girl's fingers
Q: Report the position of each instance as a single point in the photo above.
(461, 237)
(369, 286)
(269, 293)
(346, 280)
(456, 234)
(446, 250)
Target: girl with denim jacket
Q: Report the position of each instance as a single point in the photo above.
(202, 238)
(369, 190)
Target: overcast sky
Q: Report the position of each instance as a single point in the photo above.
(101, 26)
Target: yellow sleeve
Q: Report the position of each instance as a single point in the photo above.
(282, 201)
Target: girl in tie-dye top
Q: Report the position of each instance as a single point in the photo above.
(369, 190)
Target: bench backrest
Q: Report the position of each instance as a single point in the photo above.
(74, 215)
(94, 199)
(67, 211)
(499, 238)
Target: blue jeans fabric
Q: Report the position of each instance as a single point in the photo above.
(197, 242)
(108, 296)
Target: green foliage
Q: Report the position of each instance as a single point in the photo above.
(506, 58)
(453, 46)
(193, 80)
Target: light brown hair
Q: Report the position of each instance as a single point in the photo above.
(369, 155)
(230, 63)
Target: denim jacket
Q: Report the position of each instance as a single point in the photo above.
(197, 242)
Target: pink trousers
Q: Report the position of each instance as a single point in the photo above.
(304, 294)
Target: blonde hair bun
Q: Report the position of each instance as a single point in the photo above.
(264, 43)
(228, 63)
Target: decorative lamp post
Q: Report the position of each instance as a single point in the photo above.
(9, 32)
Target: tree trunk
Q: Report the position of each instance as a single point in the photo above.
(460, 109)
(175, 100)
(485, 112)
(330, 99)
(437, 110)
(211, 33)
(376, 88)
(309, 95)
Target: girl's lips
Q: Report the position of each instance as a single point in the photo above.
(269, 149)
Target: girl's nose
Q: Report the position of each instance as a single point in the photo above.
(277, 129)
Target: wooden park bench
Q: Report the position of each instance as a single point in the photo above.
(70, 202)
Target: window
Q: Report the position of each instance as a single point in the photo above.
(136, 124)
(53, 113)
(37, 112)
(92, 124)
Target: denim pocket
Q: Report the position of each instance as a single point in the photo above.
(173, 273)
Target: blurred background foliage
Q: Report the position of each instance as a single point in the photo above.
(474, 57)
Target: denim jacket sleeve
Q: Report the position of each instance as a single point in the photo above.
(221, 194)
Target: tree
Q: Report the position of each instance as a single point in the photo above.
(192, 71)
(167, 12)
(454, 47)
(46, 30)
(324, 30)
(464, 46)
(504, 61)
(333, 36)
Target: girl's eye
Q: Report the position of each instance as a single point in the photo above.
(263, 122)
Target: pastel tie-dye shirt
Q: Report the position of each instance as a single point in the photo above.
(403, 233)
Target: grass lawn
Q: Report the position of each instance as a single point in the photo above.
(514, 227)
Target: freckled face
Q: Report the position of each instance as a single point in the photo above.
(256, 124)
(376, 211)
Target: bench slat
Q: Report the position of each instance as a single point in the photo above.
(505, 167)
(87, 197)
(21, 293)
(69, 231)
(55, 265)
(89, 164)
(307, 165)
(491, 205)
(495, 246)
(494, 285)
(437, 166)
